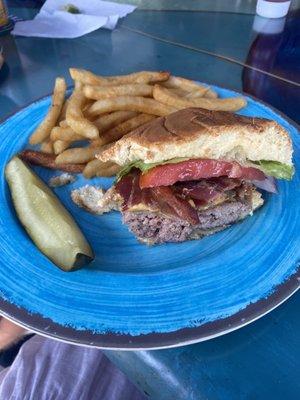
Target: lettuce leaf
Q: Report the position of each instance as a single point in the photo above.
(276, 169)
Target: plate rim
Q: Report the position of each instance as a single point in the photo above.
(152, 341)
(112, 341)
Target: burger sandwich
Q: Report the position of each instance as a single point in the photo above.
(195, 172)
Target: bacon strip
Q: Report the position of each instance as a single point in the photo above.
(164, 199)
(180, 207)
(206, 189)
(48, 161)
(124, 187)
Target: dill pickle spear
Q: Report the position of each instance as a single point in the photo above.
(47, 222)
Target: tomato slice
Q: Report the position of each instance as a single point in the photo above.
(168, 174)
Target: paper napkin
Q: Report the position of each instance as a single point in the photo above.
(54, 22)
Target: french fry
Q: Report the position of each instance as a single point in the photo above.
(139, 104)
(85, 77)
(118, 131)
(86, 107)
(88, 78)
(91, 168)
(99, 168)
(139, 77)
(48, 161)
(43, 130)
(47, 147)
(76, 119)
(60, 145)
(106, 122)
(77, 155)
(194, 89)
(104, 92)
(166, 97)
(211, 94)
(110, 171)
(62, 115)
(185, 84)
(59, 133)
(179, 92)
(63, 124)
(194, 93)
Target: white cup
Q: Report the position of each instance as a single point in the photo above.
(272, 8)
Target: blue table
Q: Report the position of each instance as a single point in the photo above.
(262, 360)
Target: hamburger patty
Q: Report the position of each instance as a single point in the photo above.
(155, 228)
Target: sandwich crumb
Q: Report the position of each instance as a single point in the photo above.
(61, 180)
(257, 200)
(96, 200)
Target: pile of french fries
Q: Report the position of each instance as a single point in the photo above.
(101, 110)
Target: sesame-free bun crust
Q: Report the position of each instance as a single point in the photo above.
(199, 133)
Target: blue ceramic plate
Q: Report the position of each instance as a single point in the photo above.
(134, 296)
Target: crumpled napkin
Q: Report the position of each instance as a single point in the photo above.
(53, 22)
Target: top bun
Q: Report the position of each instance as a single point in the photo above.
(199, 133)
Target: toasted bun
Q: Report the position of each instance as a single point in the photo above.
(199, 133)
